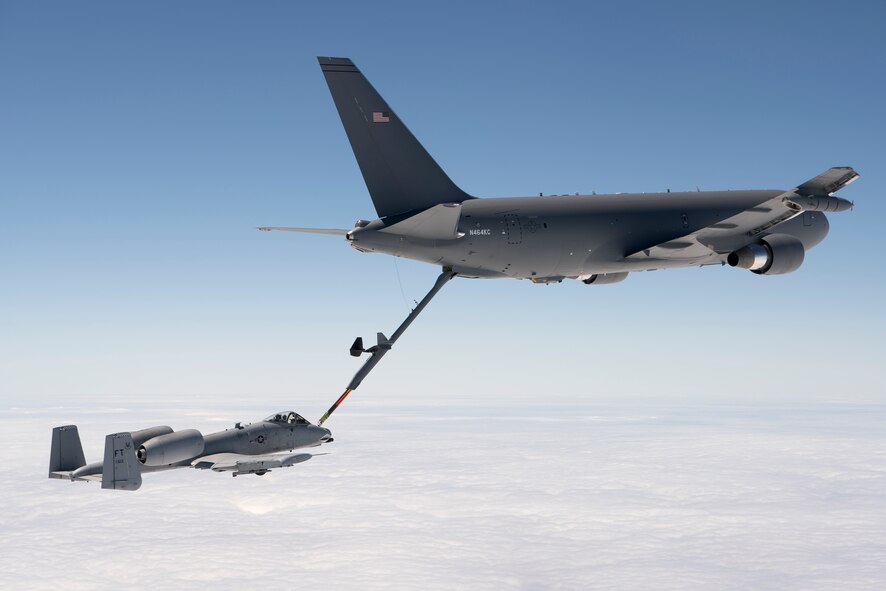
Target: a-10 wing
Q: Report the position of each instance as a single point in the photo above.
(243, 464)
(715, 241)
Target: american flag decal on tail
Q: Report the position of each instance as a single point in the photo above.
(381, 116)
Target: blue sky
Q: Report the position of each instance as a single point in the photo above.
(142, 144)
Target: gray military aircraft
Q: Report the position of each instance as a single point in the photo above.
(597, 239)
(255, 448)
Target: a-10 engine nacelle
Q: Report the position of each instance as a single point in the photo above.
(171, 448)
(604, 278)
(773, 255)
(139, 437)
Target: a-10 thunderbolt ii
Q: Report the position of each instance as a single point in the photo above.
(597, 239)
(256, 448)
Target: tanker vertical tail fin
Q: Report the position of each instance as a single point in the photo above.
(400, 174)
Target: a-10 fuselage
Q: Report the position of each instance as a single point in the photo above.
(277, 433)
(267, 436)
(576, 236)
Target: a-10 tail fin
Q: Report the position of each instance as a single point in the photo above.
(400, 174)
(120, 468)
(66, 452)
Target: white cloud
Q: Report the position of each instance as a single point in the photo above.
(435, 497)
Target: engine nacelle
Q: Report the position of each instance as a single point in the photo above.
(604, 278)
(139, 437)
(171, 448)
(775, 254)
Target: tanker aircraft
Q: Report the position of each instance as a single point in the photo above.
(255, 448)
(597, 239)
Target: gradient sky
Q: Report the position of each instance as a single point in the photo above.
(141, 144)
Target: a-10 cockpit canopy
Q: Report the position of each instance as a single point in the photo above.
(290, 417)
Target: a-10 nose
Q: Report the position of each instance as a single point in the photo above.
(326, 435)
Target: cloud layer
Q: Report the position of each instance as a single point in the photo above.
(435, 497)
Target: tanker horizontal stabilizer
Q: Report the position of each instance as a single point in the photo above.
(331, 231)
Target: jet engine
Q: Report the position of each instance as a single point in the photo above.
(604, 278)
(171, 448)
(139, 437)
(775, 254)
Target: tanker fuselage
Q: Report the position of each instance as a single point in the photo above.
(577, 236)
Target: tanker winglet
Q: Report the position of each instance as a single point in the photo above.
(828, 182)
